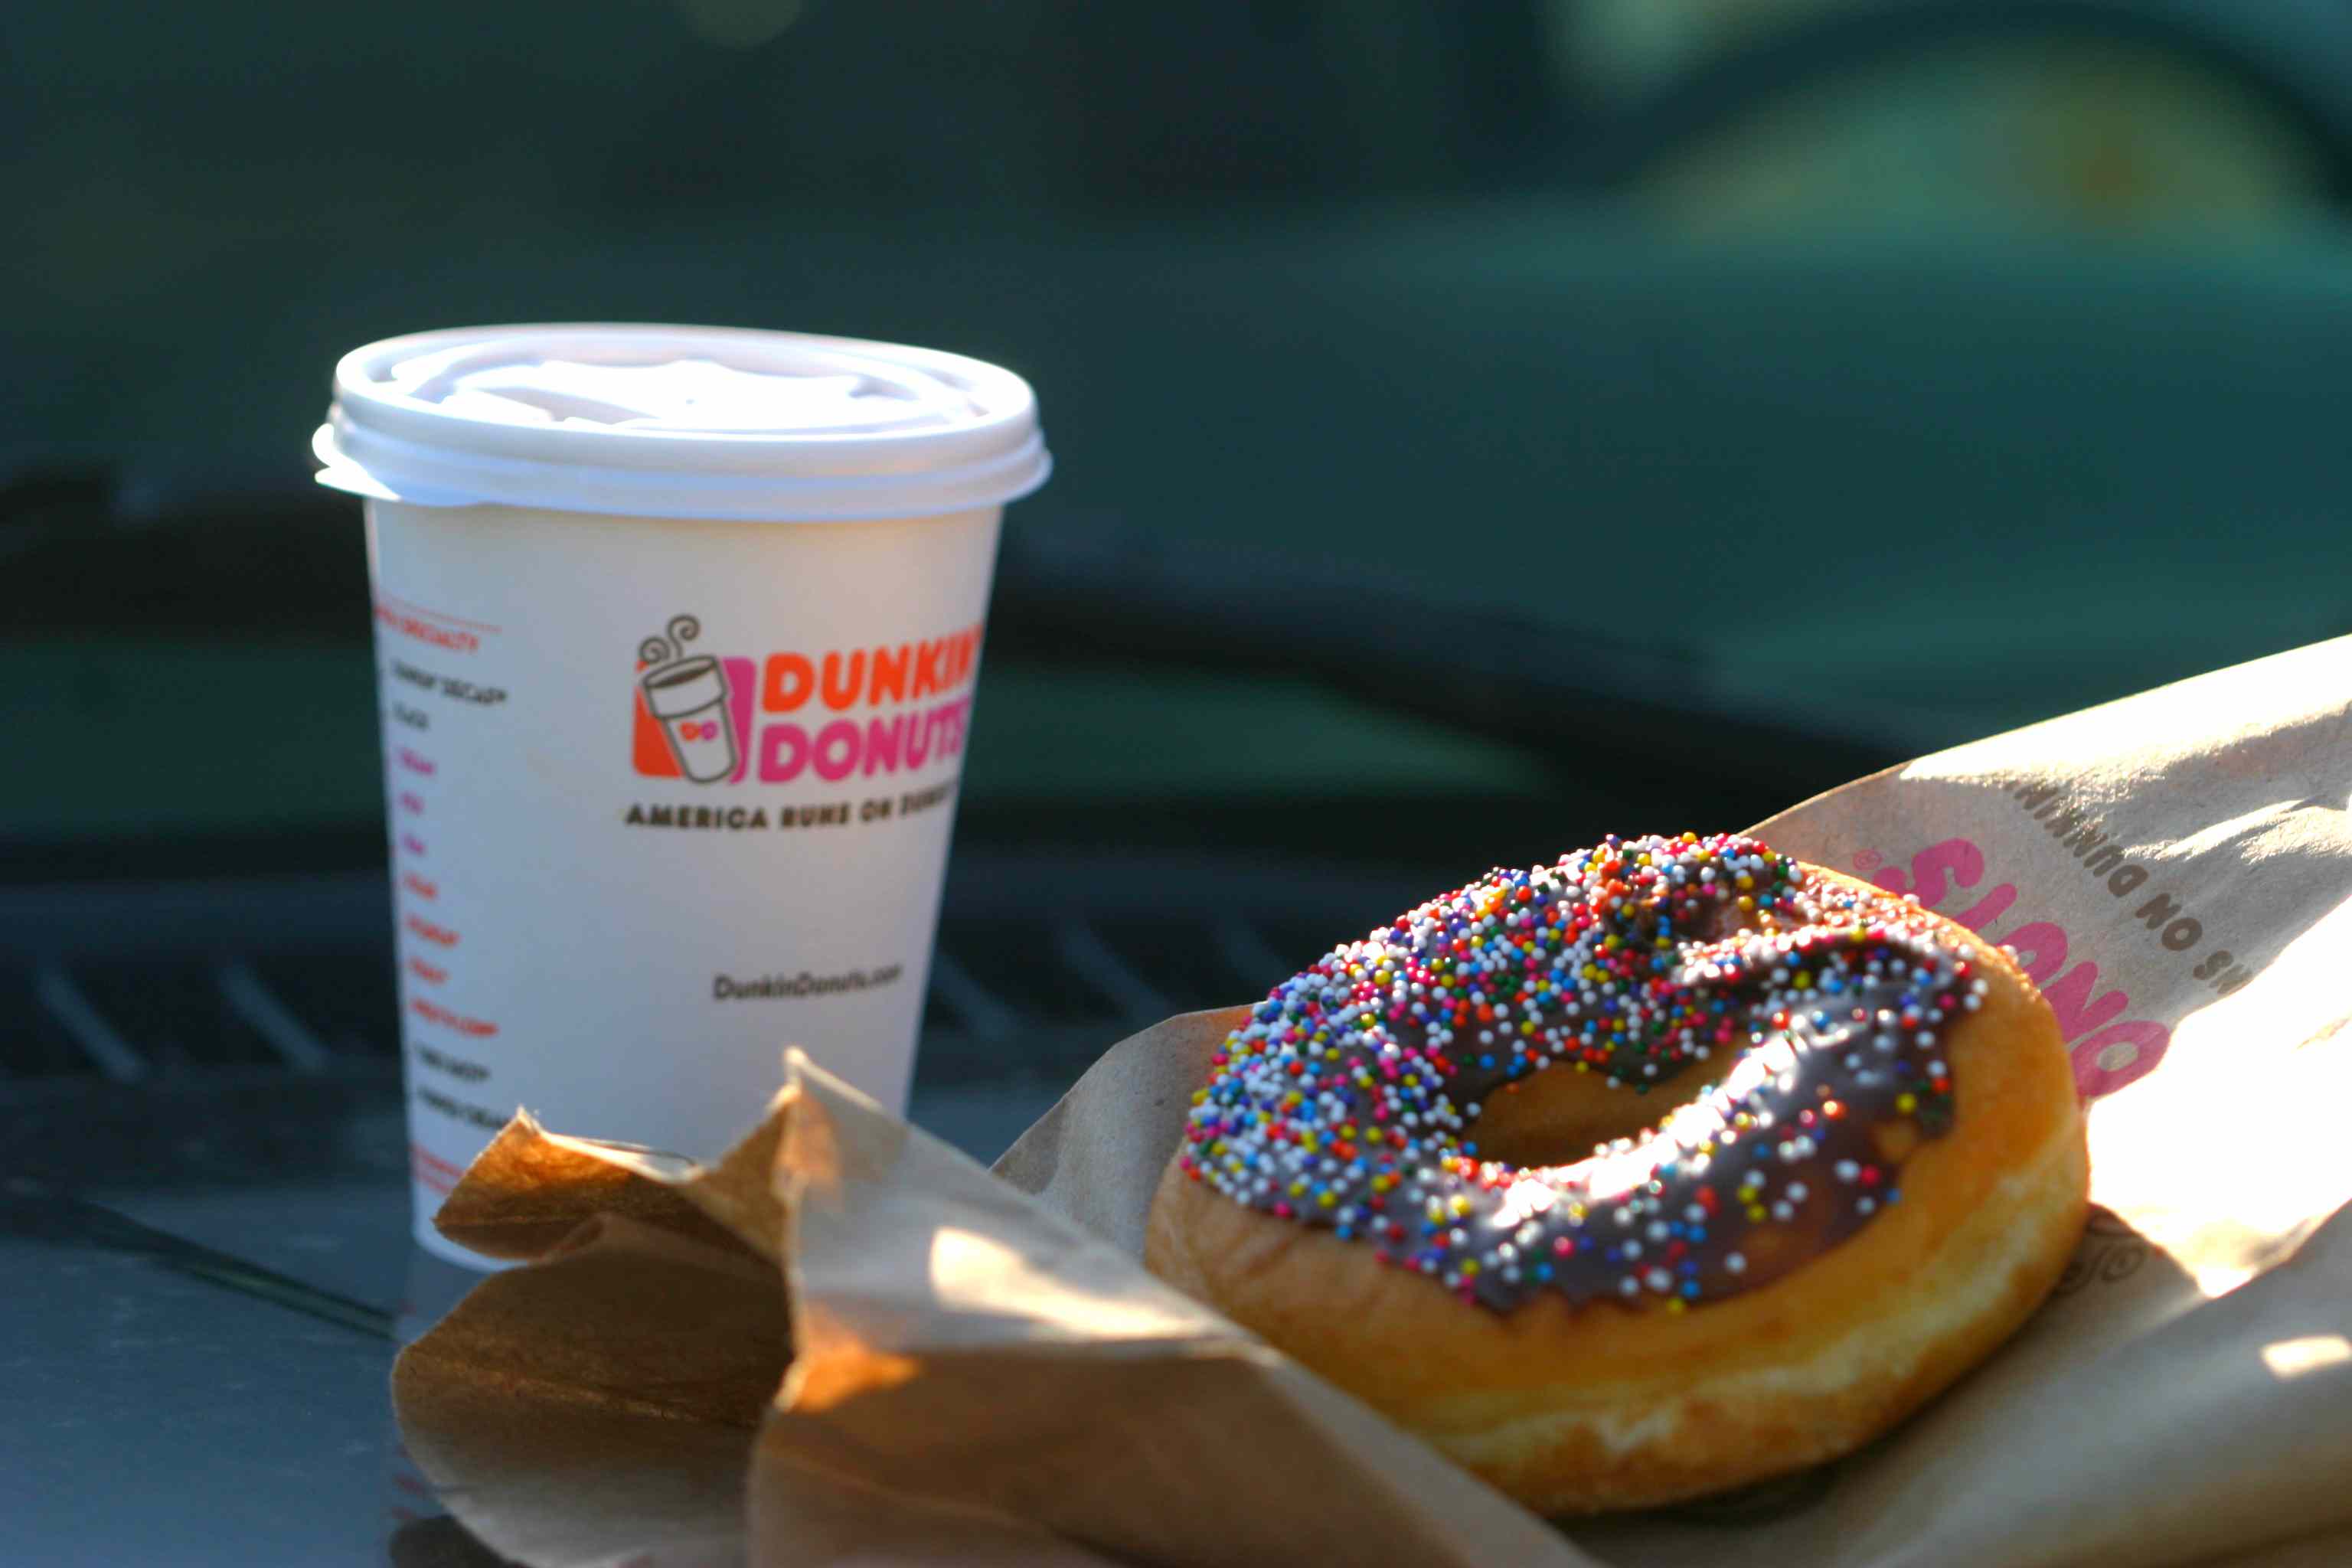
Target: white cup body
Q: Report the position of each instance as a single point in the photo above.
(630, 868)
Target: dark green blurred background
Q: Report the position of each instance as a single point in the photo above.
(1465, 413)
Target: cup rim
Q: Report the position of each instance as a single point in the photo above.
(977, 442)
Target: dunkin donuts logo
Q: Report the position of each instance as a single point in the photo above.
(825, 714)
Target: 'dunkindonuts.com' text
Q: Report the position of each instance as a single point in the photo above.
(767, 987)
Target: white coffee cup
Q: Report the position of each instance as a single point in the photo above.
(676, 630)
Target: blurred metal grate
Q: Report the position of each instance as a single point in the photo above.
(1094, 963)
(102, 1047)
(134, 985)
(259, 1007)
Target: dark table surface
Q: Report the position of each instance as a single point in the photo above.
(195, 1344)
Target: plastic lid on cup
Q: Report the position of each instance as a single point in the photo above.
(687, 422)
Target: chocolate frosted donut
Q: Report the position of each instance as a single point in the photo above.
(1810, 1049)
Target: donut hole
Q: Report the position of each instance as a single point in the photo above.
(1560, 1116)
(1556, 1118)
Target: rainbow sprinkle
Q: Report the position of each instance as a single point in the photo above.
(1347, 1100)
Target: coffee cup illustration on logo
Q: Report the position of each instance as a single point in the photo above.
(686, 695)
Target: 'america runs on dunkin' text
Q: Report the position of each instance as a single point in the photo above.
(755, 819)
(832, 715)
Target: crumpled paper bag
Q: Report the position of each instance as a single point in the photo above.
(848, 1343)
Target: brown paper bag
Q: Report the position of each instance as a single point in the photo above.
(983, 1370)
